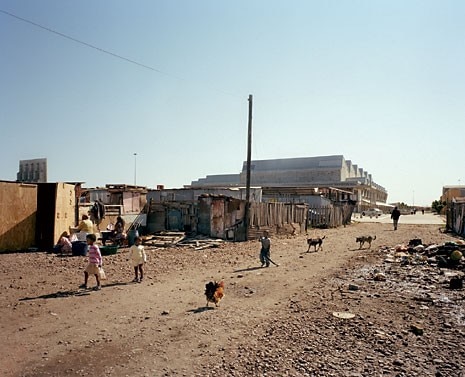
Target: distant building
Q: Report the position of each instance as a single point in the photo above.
(32, 171)
(306, 172)
(451, 192)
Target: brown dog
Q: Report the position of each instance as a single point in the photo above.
(315, 242)
(362, 239)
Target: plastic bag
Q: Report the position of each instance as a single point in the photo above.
(102, 274)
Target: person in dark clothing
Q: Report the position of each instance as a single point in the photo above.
(118, 234)
(395, 217)
(97, 212)
(265, 250)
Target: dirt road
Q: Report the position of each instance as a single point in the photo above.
(428, 218)
(273, 321)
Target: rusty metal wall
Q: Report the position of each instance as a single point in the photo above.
(455, 217)
(204, 217)
(217, 218)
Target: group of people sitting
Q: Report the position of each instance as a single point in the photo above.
(117, 236)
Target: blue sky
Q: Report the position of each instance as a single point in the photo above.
(380, 82)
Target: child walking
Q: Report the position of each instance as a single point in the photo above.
(95, 262)
(137, 257)
(265, 250)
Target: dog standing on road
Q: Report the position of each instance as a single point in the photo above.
(315, 242)
(365, 239)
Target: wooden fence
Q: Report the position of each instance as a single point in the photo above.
(330, 216)
(276, 218)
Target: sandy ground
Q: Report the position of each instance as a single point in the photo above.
(274, 321)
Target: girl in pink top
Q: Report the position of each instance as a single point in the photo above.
(95, 262)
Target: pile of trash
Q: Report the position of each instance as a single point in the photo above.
(449, 255)
(446, 255)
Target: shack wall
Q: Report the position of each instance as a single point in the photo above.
(204, 216)
(64, 209)
(455, 216)
(217, 218)
(18, 207)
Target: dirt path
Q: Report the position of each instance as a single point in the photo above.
(161, 326)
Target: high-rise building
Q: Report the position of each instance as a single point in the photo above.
(32, 171)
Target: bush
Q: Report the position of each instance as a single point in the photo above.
(437, 206)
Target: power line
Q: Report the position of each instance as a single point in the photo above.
(99, 48)
(81, 42)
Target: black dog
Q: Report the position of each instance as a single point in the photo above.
(362, 239)
(314, 242)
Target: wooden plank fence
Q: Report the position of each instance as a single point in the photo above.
(330, 216)
(276, 218)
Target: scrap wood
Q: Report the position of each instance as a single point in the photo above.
(201, 242)
(207, 245)
(199, 239)
(165, 239)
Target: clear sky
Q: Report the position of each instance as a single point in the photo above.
(380, 82)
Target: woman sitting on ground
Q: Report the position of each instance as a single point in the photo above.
(64, 245)
(119, 235)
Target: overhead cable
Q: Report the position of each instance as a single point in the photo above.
(99, 48)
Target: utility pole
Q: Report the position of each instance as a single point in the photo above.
(135, 167)
(249, 156)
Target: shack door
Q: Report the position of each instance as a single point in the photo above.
(175, 219)
(217, 218)
(46, 207)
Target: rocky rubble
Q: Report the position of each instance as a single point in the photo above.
(406, 322)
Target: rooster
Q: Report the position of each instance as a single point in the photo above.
(214, 291)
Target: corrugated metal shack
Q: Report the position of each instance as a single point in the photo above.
(215, 214)
(219, 213)
(173, 216)
(189, 194)
(127, 201)
(455, 215)
(220, 216)
(188, 209)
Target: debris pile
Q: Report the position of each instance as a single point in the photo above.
(164, 239)
(170, 239)
(446, 255)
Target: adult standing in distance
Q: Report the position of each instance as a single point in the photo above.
(395, 217)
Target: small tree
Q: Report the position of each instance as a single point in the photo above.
(437, 206)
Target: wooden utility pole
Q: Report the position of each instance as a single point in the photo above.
(249, 156)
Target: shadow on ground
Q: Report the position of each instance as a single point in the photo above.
(201, 309)
(248, 269)
(79, 292)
